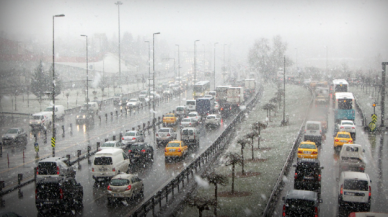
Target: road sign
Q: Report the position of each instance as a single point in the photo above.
(374, 118)
(53, 142)
(36, 146)
(372, 126)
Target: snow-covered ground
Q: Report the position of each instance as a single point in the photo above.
(365, 98)
(275, 144)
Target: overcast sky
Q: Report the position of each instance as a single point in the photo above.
(353, 31)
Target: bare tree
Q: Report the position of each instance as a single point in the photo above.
(257, 127)
(216, 179)
(200, 203)
(269, 107)
(242, 143)
(233, 159)
(251, 136)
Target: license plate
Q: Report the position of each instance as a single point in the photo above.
(48, 203)
(172, 150)
(343, 141)
(312, 131)
(100, 179)
(349, 193)
(136, 155)
(102, 169)
(306, 152)
(308, 177)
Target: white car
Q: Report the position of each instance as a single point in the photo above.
(195, 116)
(213, 120)
(133, 103)
(216, 106)
(355, 190)
(188, 122)
(131, 137)
(348, 126)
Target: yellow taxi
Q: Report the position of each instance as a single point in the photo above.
(308, 149)
(342, 138)
(175, 149)
(169, 119)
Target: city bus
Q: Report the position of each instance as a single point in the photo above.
(200, 88)
(340, 85)
(344, 106)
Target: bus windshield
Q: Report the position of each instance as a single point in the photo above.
(341, 88)
(345, 104)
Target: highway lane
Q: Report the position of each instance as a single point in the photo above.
(81, 137)
(154, 176)
(377, 158)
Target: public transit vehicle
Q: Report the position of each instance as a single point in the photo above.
(340, 85)
(201, 88)
(344, 106)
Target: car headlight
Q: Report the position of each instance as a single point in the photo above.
(83, 116)
(77, 116)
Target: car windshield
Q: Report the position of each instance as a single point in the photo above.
(108, 144)
(12, 131)
(187, 132)
(347, 123)
(308, 146)
(312, 127)
(137, 146)
(299, 204)
(173, 144)
(143, 92)
(133, 100)
(47, 168)
(49, 109)
(190, 103)
(343, 135)
(169, 116)
(37, 117)
(192, 115)
(164, 130)
(179, 108)
(210, 117)
(103, 161)
(130, 134)
(186, 120)
(119, 182)
(357, 185)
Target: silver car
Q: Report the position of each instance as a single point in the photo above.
(195, 116)
(213, 120)
(133, 103)
(112, 144)
(131, 137)
(165, 134)
(54, 167)
(188, 122)
(125, 186)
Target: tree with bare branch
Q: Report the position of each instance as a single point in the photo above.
(216, 179)
(200, 203)
(233, 159)
(269, 107)
(257, 127)
(242, 142)
(251, 136)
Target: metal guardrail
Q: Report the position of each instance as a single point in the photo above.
(156, 199)
(277, 189)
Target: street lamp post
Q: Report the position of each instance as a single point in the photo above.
(195, 62)
(153, 80)
(179, 73)
(87, 74)
(118, 3)
(214, 71)
(53, 93)
(149, 73)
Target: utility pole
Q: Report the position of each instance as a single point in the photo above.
(284, 87)
(149, 72)
(384, 67)
(195, 63)
(214, 70)
(118, 3)
(179, 74)
(153, 81)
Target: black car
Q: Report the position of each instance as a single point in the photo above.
(85, 116)
(140, 152)
(301, 203)
(58, 192)
(15, 136)
(308, 175)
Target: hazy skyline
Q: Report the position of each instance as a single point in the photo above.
(353, 30)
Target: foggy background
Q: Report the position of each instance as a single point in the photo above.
(353, 31)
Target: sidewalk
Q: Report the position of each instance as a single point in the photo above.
(253, 189)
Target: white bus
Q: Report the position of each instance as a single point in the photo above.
(344, 106)
(200, 88)
(340, 85)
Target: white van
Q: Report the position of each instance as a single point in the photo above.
(59, 111)
(108, 163)
(355, 190)
(41, 120)
(191, 105)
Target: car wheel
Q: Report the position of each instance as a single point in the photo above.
(109, 201)
(142, 192)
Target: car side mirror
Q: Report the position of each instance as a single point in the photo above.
(320, 201)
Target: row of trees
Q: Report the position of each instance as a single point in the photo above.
(267, 58)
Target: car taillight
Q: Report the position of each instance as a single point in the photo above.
(319, 177)
(37, 170)
(143, 151)
(284, 210)
(342, 189)
(222, 109)
(99, 149)
(336, 140)
(179, 150)
(122, 138)
(300, 152)
(113, 169)
(157, 134)
(168, 135)
(189, 123)
(316, 211)
(128, 188)
(350, 140)
(370, 191)
(57, 170)
(362, 168)
(60, 193)
(296, 175)
(353, 128)
(342, 127)
(305, 130)
(314, 152)
(133, 138)
(165, 150)
(129, 151)
(92, 169)
(109, 189)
